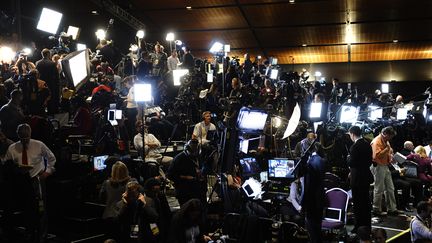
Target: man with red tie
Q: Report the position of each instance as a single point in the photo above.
(36, 158)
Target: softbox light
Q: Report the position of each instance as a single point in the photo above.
(251, 120)
(49, 20)
(73, 31)
(81, 47)
(76, 66)
(142, 92)
(178, 74)
(293, 122)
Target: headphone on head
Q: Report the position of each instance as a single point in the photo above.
(189, 146)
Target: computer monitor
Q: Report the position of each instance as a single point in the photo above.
(281, 168)
(250, 167)
(99, 162)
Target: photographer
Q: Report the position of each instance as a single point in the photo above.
(137, 216)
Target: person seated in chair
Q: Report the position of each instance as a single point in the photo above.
(152, 146)
(423, 162)
(420, 224)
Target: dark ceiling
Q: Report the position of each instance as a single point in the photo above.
(277, 28)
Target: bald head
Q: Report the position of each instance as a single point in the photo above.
(409, 145)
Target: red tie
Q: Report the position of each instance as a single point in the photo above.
(24, 156)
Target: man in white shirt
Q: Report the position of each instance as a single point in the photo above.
(36, 152)
(201, 129)
(173, 61)
(30, 155)
(152, 145)
(420, 224)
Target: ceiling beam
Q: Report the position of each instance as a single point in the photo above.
(250, 27)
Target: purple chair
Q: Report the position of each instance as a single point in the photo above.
(335, 211)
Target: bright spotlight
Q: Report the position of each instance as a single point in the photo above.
(140, 34)
(142, 92)
(277, 121)
(384, 88)
(81, 47)
(73, 31)
(100, 34)
(318, 74)
(227, 48)
(178, 42)
(184, 48)
(170, 37)
(177, 74)
(216, 47)
(49, 21)
(6, 54)
(26, 51)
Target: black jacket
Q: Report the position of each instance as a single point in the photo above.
(359, 161)
(49, 73)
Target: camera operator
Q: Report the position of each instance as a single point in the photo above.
(36, 93)
(186, 174)
(11, 83)
(49, 73)
(267, 93)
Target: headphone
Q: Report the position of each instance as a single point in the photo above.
(188, 146)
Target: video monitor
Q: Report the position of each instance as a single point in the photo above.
(250, 120)
(281, 168)
(250, 167)
(99, 162)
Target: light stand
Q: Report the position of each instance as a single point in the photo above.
(142, 94)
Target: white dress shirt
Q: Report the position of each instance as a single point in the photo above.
(148, 139)
(172, 63)
(131, 98)
(200, 131)
(37, 154)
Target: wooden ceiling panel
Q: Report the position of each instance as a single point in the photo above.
(402, 31)
(391, 51)
(211, 18)
(296, 36)
(320, 54)
(204, 40)
(283, 14)
(381, 10)
(169, 4)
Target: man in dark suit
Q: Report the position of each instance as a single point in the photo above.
(359, 161)
(49, 73)
(313, 199)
